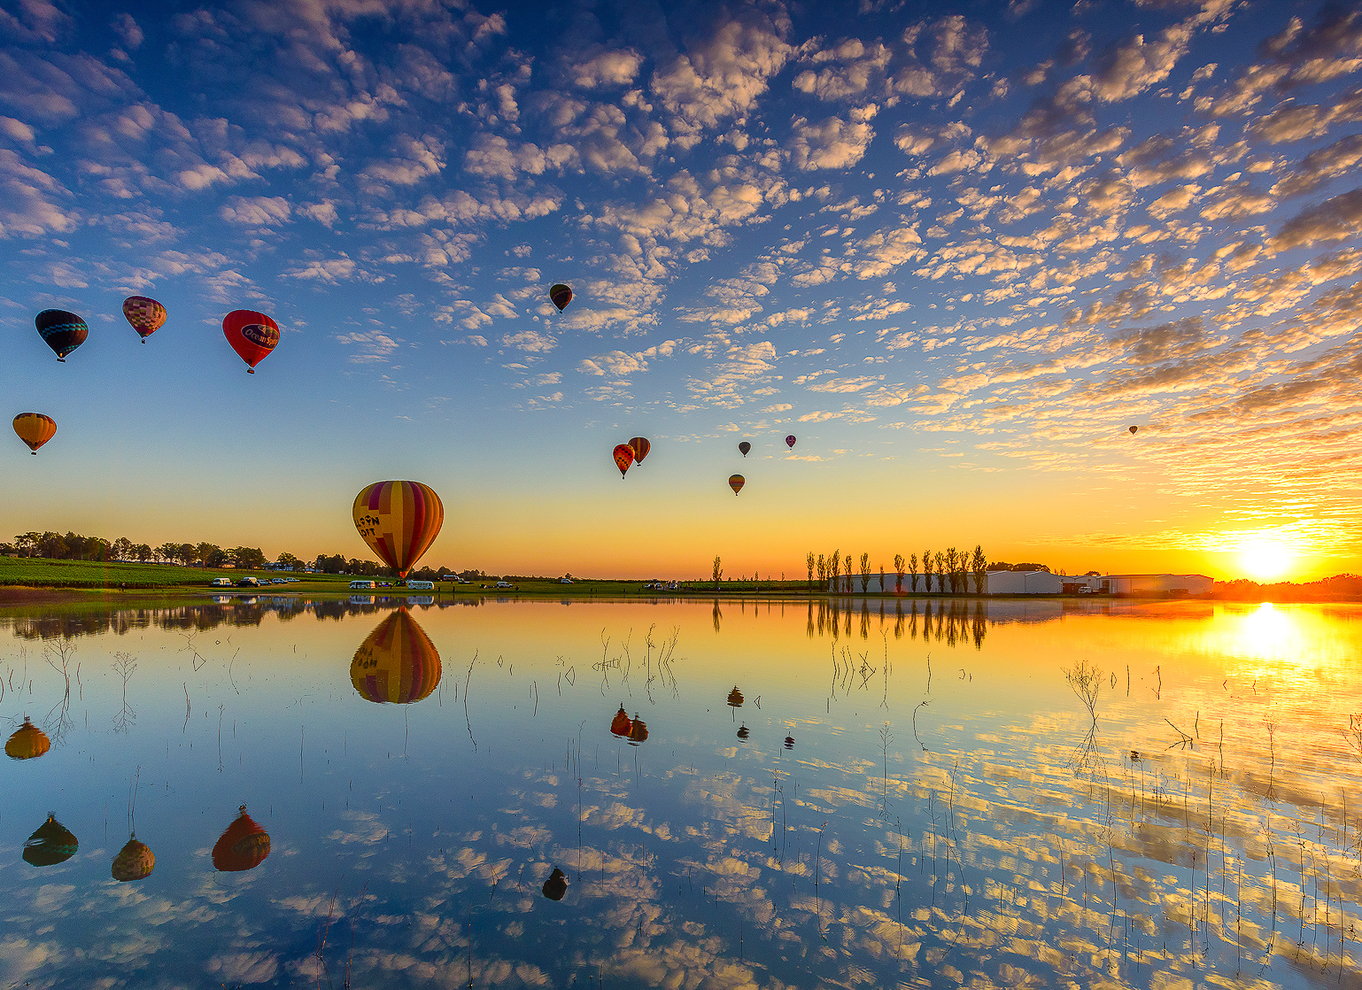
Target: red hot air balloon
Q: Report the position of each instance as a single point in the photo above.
(621, 725)
(640, 447)
(1133, 429)
(146, 315)
(790, 441)
(399, 520)
(624, 456)
(736, 482)
(243, 846)
(744, 447)
(61, 331)
(560, 295)
(252, 335)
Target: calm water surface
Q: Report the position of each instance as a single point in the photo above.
(924, 794)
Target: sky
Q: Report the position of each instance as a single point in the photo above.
(956, 249)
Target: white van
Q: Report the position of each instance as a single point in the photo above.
(220, 583)
(368, 585)
(420, 585)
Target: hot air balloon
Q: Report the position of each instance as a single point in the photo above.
(789, 742)
(28, 742)
(51, 844)
(146, 315)
(621, 724)
(134, 861)
(252, 335)
(397, 663)
(624, 456)
(243, 846)
(638, 732)
(1133, 429)
(790, 441)
(61, 331)
(556, 885)
(560, 295)
(744, 447)
(735, 698)
(736, 482)
(35, 429)
(399, 520)
(640, 447)
(743, 732)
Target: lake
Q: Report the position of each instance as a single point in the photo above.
(690, 794)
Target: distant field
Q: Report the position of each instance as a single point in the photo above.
(42, 573)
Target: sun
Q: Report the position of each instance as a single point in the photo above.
(1266, 558)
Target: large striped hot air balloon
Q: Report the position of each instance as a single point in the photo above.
(252, 335)
(28, 742)
(736, 481)
(399, 520)
(624, 456)
(397, 663)
(243, 846)
(35, 429)
(640, 446)
(145, 314)
(61, 331)
(560, 295)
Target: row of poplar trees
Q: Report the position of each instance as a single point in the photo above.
(950, 570)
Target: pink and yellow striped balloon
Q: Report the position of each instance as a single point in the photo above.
(399, 520)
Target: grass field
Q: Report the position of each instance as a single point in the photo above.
(89, 576)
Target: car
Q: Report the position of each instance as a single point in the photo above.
(248, 582)
(504, 584)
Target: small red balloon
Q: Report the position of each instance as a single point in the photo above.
(252, 335)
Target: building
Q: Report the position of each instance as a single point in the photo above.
(1155, 585)
(1033, 583)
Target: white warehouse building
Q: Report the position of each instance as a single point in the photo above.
(1034, 583)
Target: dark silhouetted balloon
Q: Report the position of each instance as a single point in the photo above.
(1133, 429)
(735, 698)
(640, 447)
(397, 663)
(789, 742)
(28, 742)
(252, 335)
(624, 456)
(556, 885)
(560, 295)
(134, 861)
(146, 315)
(34, 429)
(399, 520)
(744, 447)
(61, 331)
(790, 440)
(243, 846)
(638, 732)
(51, 844)
(736, 482)
(742, 732)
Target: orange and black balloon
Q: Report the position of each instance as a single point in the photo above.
(735, 698)
(621, 725)
(640, 446)
(28, 742)
(736, 482)
(34, 429)
(134, 861)
(638, 731)
(145, 314)
(243, 846)
(624, 456)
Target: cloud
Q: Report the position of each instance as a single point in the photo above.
(1336, 219)
(256, 211)
(530, 341)
(833, 143)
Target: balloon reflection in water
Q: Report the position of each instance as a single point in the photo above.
(51, 844)
(638, 732)
(134, 861)
(243, 846)
(28, 742)
(397, 663)
(621, 725)
(789, 742)
(743, 733)
(556, 885)
(735, 698)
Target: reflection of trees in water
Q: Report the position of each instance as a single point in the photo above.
(948, 620)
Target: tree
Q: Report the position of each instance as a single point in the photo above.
(865, 573)
(168, 551)
(809, 561)
(143, 552)
(979, 565)
(846, 569)
(288, 562)
(898, 573)
(939, 566)
(912, 572)
(836, 568)
(927, 571)
(122, 548)
(952, 555)
(718, 571)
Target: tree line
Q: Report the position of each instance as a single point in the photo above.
(73, 546)
(950, 570)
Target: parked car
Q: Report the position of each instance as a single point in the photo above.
(248, 582)
(504, 584)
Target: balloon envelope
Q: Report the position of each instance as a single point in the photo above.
(744, 447)
(790, 440)
(399, 520)
(51, 844)
(736, 482)
(243, 846)
(621, 724)
(560, 295)
(397, 663)
(252, 335)
(61, 331)
(1133, 429)
(640, 447)
(624, 456)
(28, 742)
(134, 861)
(146, 315)
(34, 429)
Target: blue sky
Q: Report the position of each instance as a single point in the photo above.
(957, 249)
